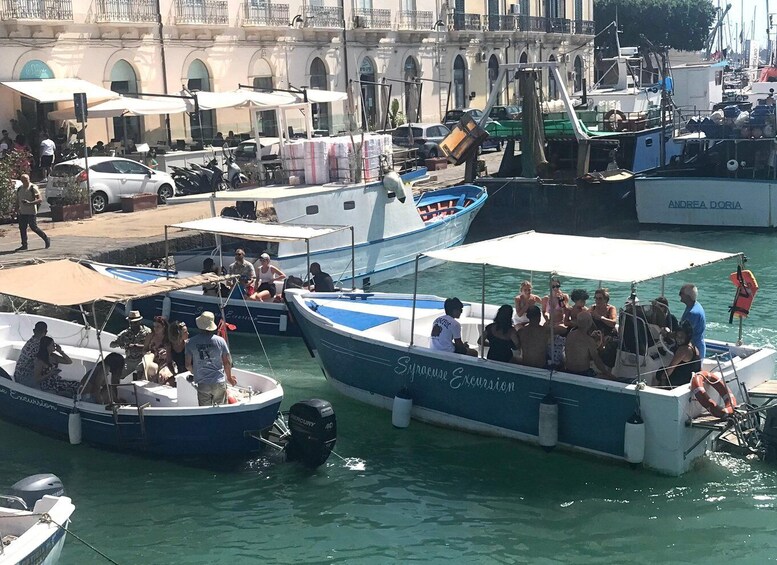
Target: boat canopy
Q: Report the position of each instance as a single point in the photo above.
(592, 258)
(78, 284)
(249, 229)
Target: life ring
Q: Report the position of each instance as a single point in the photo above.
(747, 287)
(613, 119)
(697, 387)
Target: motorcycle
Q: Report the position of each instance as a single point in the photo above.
(199, 179)
(235, 176)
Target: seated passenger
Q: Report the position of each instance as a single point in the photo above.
(523, 301)
(500, 336)
(555, 306)
(96, 387)
(664, 318)
(319, 280)
(266, 277)
(581, 349)
(47, 371)
(534, 339)
(25, 366)
(446, 330)
(604, 315)
(212, 289)
(686, 360)
(178, 335)
(579, 297)
(158, 342)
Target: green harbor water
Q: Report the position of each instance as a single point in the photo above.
(426, 494)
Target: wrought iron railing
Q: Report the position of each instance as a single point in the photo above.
(210, 12)
(51, 10)
(113, 11)
(323, 16)
(502, 22)
(532, 23)
(466, 22)
(585, 27)
(265, 14)
(559, 25)
(411, 19)
(372, 18)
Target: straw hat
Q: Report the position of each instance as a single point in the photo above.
(206, 322)
(134, 316)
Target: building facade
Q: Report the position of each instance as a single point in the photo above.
(429, 55)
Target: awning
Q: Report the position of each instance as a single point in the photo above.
(60, 90)
(323, 96)
(245, 229)
(77, 284)
(592, 258)
(270, 98)
(126, 106)
(213, 100)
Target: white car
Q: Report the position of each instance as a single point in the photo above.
(110, 178)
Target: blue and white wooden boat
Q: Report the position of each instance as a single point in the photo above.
(371, 346)
(148, 417)
(33, 522)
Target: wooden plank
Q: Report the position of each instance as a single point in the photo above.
(766, 389)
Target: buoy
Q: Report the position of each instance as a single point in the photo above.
(732, 165)
(400, 412)
(548, 426)
(167, 305)
(74, 427)
(392, 182)
(634, 439)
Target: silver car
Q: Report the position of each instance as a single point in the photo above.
(110, 178)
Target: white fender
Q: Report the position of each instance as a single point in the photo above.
(392, 182)
(74, 427)
(548, 422)
(634, 439)
(400, 412)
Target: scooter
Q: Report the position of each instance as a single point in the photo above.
(235, 176)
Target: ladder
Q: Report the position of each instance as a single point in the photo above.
(134, 431)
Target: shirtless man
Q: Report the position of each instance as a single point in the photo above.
(581, 349)
(534, 339)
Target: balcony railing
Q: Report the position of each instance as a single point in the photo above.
(466, 22)
(50, 10)
(209, 12)
(372, 19)
(585, 27)
(559, 25)
(415, 20)
(323, 16)
(265, 14)
(129, 11)
(502, 23)
(532, 23)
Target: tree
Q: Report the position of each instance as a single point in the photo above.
(678, 24)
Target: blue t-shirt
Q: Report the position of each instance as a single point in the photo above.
(698, 320)
(206, 351)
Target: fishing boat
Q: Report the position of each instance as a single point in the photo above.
(34, 516)
(374, 347)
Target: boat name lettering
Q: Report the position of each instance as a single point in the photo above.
(407, 367)
(705, 205)
(34, 401)
(462, 379)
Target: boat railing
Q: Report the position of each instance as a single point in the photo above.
(758, 123)
(9, 498)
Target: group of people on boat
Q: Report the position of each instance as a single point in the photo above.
(562, 331)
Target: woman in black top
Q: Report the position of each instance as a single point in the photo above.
(686, 360)
(179, 335)
(500, 336)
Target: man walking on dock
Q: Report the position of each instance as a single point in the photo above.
(27, 200)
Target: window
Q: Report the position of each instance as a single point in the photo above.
(459, 82)
(349, 205)
(311, 210)
(130, 168)
(104, 167)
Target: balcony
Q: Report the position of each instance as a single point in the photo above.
(323, 17)
(372, 19)
(45, 10)
(201, 12)
(559, 25)
(585, 27)
(466, 22)
(532, 23)
(502, 23)
(265, 14)
(414, 20)
(125, 11)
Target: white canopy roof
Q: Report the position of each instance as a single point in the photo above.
(592, 258)
(323, 96)
(60, 89)
(246, 229)
(244, 97)
(126, 106)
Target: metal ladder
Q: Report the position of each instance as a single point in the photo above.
(141, 423)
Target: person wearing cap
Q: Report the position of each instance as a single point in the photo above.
(133, 341)
(25, 365)
(209, 360)
(245, 272)
(268, 274)
(446, 330)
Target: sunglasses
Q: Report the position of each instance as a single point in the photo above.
(556, 286)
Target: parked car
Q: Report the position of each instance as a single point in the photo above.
(452, 117)
(505, 113)
(245, 152)
(425, 138)
(110, 178)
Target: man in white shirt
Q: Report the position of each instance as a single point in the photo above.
(446, 330)
(47, 148)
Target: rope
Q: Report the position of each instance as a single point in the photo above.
(256, 331)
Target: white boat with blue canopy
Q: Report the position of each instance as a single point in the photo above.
(374, 345)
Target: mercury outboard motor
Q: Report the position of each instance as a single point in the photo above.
(31, 489)
(313, 428)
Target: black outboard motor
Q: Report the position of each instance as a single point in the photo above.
(313, 429)
(31, 489)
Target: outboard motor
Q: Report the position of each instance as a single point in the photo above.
(31, 489)
(313, 428)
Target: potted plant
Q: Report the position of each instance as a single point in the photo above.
(137, 202)
(73, 204)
